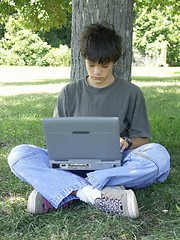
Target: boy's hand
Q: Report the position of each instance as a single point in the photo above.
(123, 144)
(137, 142)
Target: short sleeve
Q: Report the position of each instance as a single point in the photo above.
(60, 107)
(139, 123)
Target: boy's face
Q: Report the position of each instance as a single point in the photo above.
(99, 75)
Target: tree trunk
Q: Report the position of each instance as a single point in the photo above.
(116, 12)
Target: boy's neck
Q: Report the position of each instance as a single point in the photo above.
(101, 84)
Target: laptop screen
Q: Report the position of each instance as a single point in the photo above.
(80, 140)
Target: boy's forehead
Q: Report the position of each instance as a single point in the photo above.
(97, 62)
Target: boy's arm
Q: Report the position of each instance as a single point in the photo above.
(136, 142)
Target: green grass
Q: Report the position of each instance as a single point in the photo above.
(20, 122)
(157, 79)
(36, 82)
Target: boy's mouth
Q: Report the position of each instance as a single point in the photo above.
(97, 78)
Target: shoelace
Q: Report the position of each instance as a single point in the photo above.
(108, 205)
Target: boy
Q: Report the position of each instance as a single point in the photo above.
(99, 94)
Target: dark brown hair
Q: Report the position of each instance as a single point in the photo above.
(100, 43)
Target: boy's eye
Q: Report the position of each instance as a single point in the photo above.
(100, 65)
(91, 64)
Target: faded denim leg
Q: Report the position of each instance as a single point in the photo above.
(140, 167)
(31, 164)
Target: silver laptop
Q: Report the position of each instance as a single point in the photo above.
(82, 143)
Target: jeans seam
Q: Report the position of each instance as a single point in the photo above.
(24, 157)
(148, 158)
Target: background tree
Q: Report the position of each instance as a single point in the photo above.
(21, 46)
(116, 12)
(155, 26)
(55, 36)
(37, 14)
(173, 5)
(41, 14)
(155, 21)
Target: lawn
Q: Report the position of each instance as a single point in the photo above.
(20, 122)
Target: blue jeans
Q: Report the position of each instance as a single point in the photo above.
(140, 167)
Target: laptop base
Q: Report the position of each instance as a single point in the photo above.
(89, 164)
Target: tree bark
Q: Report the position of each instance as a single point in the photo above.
(116, 12)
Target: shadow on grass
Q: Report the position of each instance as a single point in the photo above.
(37, 82)
(157, 79)
(163, 114)
(176, 73)
(20, 118)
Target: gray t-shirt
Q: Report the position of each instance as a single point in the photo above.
(120, 99)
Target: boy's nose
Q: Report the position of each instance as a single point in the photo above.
(97, 70)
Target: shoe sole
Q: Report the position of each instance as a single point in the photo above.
(132, 204)
(31, 206)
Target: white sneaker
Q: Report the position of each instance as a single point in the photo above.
(37, 204)
(118, 201)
